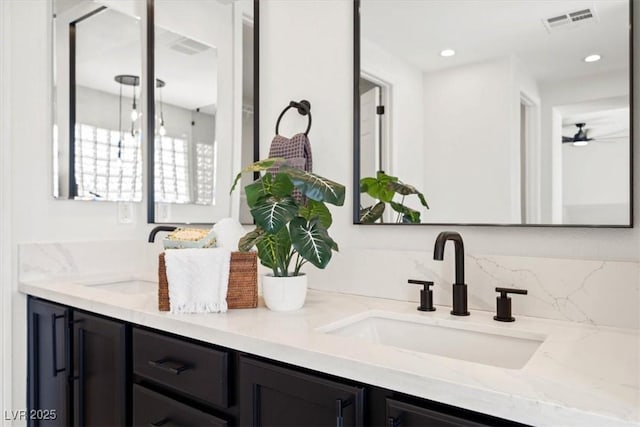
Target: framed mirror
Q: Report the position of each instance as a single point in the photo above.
(97, 69)
(493, 112)
(205, 102)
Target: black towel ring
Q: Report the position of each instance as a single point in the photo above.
(303, 107)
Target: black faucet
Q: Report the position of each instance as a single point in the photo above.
(156, 230)
(459, 287)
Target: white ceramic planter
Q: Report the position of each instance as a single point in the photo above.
(284, 293)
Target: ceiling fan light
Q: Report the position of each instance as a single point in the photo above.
(447, 52)
(580, 143)
(592, 58)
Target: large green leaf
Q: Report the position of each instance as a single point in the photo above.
(280, 186)
(314, 186)
(262, 165)
(273, 249)
(318, 210)
(250, 239)
(312, 241)
(273, 213)
(405, 190)
(256, 191)
(377, 187)
(372, 213)
(409, 215)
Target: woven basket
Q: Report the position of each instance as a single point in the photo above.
(242, 291)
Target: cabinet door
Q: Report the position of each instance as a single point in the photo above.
(48, 363)
(401, 414)
(274, 396)
(101, 375)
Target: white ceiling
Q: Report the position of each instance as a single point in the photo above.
(109, 43)
(417, 30)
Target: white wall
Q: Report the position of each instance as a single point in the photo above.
(468, 122)
(595, 181)
(6, 242)
(403, 148)
(317, 67)
(558, 93)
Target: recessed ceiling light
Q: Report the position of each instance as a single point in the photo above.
(580, 143)
(592, 58)
(447, 52)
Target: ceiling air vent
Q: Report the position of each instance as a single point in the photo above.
(570, 19)
(188, 46)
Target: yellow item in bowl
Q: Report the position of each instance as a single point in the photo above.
(182, 238)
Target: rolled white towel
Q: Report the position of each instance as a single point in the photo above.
(198, 279)
(228, 231)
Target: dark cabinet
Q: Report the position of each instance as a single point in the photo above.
(272, 395)
(77, 367)
(88, 370)
(154, 409)
(100, 371)
(400, 414)
(197, 371)
(48, 389)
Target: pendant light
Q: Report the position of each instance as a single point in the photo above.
(133, 81)
(160, 84)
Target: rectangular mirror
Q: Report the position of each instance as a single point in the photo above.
(493, 112)
(205, 107)
(97, 68)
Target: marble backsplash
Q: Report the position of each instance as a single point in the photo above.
(43, 260)
(605, 293)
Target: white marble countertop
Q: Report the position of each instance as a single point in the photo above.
(581, 374)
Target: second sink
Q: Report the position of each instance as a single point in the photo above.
(505, 349)
(123, 285)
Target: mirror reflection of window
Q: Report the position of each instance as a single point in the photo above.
(203, 105)
(97, 101)
(500, 112)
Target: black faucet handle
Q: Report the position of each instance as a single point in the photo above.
(426, 294)
(503, 304)
(505, 291)
(425, 283)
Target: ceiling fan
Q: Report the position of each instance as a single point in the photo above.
(581, 138)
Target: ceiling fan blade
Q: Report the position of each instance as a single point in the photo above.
(566, 139)
(612, 138)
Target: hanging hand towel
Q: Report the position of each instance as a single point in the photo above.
(198, 279)
(297, 150)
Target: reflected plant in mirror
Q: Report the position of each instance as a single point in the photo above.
(97, 144)
(525, 122)
(382, 190)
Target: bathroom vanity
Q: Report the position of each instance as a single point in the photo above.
(123, 373)
(103, 352)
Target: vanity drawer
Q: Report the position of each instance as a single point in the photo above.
(154, 409)
(191, 369)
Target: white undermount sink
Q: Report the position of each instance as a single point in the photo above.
(488, 345)
(121, 284)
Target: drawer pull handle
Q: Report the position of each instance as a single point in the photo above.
(166, 422)
(340, 406)
(394, 422)
(169, 365)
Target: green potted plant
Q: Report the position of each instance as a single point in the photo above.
(292, 222)
(384, 188)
